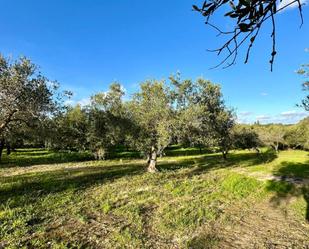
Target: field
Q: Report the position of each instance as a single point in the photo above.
(65, 200)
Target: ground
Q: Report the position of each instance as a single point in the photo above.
(65, 200)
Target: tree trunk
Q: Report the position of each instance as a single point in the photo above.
(1, 147)
(152, 161)
(277, 147)
(224, 154)
(7, 121)
(8, 148)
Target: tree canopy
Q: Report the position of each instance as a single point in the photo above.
(304, 71)
(26, 96)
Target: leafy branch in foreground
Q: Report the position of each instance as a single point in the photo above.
(250, 15)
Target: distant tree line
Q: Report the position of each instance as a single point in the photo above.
(276, 136)
(161, 113)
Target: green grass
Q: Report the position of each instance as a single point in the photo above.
(71, 203)
(291, 163)
(29, 157)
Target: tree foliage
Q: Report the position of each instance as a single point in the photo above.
(272, 135)
(297, 136)
(304, 71)
(245, 137)
(152, 114)
(203, 117)
(26, 96)
(107, 121)
(248, 17)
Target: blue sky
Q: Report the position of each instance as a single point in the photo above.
(86, 45)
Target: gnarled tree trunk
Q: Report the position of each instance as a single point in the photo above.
(7, 120)
(152, 160)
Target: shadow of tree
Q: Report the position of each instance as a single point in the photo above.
(31, 157)
(215, 161)
(43, 183)
(293, 169)
(191, 151)
(293, 182)
(58, 180)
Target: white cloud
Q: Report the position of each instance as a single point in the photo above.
(69, 102)
(264, 94)
(287, 117)
(245, 114)
(307, 50)
(263, 117)
(293, 115)
(243, 121)
(244, 117)
(283, 3)
(84, 102)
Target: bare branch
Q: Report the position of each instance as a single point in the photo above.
(249, 16)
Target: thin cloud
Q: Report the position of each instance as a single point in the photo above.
(245, 114)
(293, 114)
(84, 102)
(263, 117)
(69, 102)
(287, 117)
(243, 120)
(286, 2)
(264, 94)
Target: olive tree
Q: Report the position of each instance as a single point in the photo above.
(152, 114)
(68, 130)
(108, 124)
(203, 117)
(297, 135)
(272, 135)
(188, 113)
(244, 137)
(26, 96)
(217, 120)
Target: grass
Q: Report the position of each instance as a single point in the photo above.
(195, 201)
(290, 163)
(29, 157)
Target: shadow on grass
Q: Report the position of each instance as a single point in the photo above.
(43, 183)
(299, 174)
(191, 151)
(31, 157)
(293, 169)
(215, 161)
(58, 180)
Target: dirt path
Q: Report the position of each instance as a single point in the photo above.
(263, 224)
(262, 176)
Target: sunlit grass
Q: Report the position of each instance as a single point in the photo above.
(115, 204)
(288, 163)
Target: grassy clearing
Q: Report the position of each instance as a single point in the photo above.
(290, 163)
(30, 157)
(195, 201)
